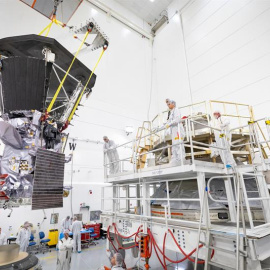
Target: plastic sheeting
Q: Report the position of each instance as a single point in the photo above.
(16, 162)
(10, 136)
(21, 133)
(189, 189)
(182, 189)
(21, 188)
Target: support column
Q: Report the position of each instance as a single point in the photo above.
(127, 201)
(201, 188)
(263, 191)
(230, 198)
(145, 203)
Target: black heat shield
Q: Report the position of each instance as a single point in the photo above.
(24, 73)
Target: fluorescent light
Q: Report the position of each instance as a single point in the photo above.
(129, 129)
(94, 12)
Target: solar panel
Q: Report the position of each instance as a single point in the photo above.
(23, 82)
(65, 8)
(48, 180)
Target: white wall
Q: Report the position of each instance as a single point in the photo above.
(120, 98)
(228, 55)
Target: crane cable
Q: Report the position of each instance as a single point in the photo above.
(63, 80)
(80, 97)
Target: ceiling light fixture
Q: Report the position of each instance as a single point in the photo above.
(129, 130)
(152, 1)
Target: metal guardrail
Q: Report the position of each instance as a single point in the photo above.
(188, 142)
(255, 141)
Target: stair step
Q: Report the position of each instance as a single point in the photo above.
(221, 266)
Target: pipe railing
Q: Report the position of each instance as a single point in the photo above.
(255, 140)
(189, 142)
(248, 125)
(264, 196)
(166, 199)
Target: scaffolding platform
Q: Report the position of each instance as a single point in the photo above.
(198, 202)
(178, 171)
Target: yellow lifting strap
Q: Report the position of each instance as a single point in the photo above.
(221, 135)
(48, 27)
(80, 97)
(63, 80)
(267, 122)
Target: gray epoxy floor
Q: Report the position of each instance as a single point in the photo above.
(94, 257)
(90, 259)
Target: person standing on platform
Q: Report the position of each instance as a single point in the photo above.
(178, 134)
(112, 154)
(223, 139)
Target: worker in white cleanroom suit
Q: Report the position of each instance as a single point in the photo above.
(223, 139)
(3, 238)
(117, 262)
(65, 251)
(169, 112)
(177, 132)
(76, 231)
(23, 236)
(112, 154)
(66, 223)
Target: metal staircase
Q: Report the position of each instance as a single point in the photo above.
(142, 145)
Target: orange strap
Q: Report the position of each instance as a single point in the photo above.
(34, 2)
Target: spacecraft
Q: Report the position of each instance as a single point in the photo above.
(41, 88)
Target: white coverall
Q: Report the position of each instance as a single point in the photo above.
(65, 225)
(224, 142)
(23, 238)
(3, 239)
(64, 255)
(178, 135)
(117, 267)
(76, 231)
(112, 154)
